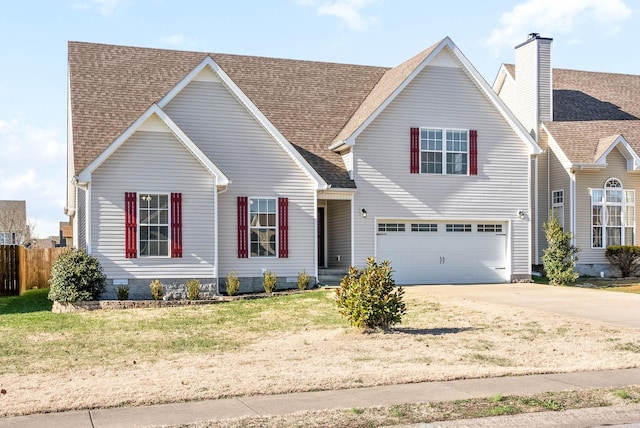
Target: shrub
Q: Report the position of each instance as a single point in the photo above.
(560, 256)
(123, 292)
(303, 280)
(193, 289)
(233, 283)
(625, 257)
(76, 276)
(369, 298)
(269, 280)
(157, 289)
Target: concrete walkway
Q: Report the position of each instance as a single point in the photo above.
(185, 413)
(616, 308)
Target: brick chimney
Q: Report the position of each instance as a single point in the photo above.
(534, 95)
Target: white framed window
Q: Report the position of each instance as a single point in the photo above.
(612, 215)
(457, 227)
(391, 227)
(489, 228)
(424, 227)
(444, 151)
(557, 206)
(153, 226)
(263, 227)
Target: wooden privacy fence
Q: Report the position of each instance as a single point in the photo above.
(22, 269)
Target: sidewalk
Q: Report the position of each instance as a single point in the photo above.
(184, 413)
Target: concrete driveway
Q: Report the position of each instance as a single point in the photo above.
(622, 309)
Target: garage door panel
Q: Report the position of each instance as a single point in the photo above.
(445, 257)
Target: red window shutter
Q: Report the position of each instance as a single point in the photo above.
(176, 225)
(243, 228)
(130, 225)
(473, 152)
(415, 151)
(283, 227)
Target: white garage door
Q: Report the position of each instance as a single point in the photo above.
(444, 252)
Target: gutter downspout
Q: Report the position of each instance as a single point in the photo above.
(216, 268)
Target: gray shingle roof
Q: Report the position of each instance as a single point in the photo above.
(591, 109)
(309, 102)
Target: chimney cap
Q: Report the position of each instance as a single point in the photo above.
(532, 37)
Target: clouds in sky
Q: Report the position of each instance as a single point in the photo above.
(34, 169)
(350, 12)
(553, 17)
(175, 40)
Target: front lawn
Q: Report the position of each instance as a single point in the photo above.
(53, 362)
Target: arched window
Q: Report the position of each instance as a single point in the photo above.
(612, 215)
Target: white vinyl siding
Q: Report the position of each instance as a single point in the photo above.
(388, 190)
(153, 162)
(347, 158)
(81, 214)
(226, 132)
(339, 233)
(595, 179)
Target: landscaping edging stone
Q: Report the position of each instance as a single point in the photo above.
(93, 305)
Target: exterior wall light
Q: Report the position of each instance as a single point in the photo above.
(364, 213)
(521, 214)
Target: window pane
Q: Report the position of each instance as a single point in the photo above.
(596, 196)
(164, 217)
(614, 236)
(163, 201)
(144, 248)
(144, 216)
(629, 237)
(596, 217)
(432, 162)
(614, 216)
(456, 163)
(629, 215)
(597, 237)
(613, 196)
(630, 197)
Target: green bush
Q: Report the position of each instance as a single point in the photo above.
(157, 289)
(123, 292)
(303, 280)
(269, 280)
(560, 256)
(233, 283)
(369, 298)
(193, 289)
(625, 257)
(76, 276)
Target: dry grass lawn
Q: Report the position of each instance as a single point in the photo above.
(305, 347)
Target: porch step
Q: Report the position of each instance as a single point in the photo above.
(331, 277)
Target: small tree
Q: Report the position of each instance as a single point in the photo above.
(193, 289)
(560, 256)
(369, 298)
(625, 257)
(76, 276)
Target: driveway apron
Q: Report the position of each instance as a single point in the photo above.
(622, 309)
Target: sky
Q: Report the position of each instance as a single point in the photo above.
(595, 35)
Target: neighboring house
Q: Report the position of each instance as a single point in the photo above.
(13, 223)
(588, 124)
(193, 165)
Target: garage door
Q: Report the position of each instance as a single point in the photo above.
(444, 252)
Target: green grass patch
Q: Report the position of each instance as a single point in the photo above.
(30, 332)
(30, 301)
